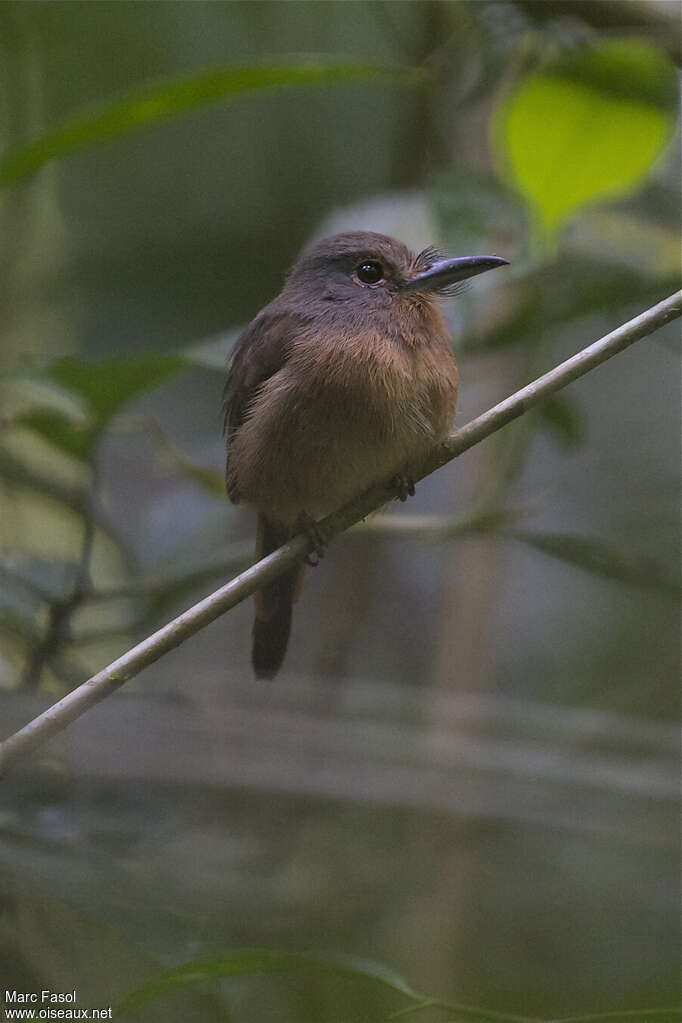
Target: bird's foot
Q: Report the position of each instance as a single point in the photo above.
(402, 486)
(306, 524)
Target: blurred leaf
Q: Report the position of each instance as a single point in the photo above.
(18, 474)
(476, 209)
(627, 1016)
(156, 101)
(643, 243)
(208, 480)
(106, 385)
(587, 128)
(16, 639)
(600, 558)
(41, 527)
(555, 294)
(562, 418)
(73, 439)
(248, 961)
(31, 458)
(213, 353)
(17, 609)
(163, 592)
(20, 395)
(43, 578)
(53, 934)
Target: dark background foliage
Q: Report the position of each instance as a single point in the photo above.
(468, 769)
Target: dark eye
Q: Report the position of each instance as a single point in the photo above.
(370, 272)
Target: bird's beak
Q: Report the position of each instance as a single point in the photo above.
(445, 272)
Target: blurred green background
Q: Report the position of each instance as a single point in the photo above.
(468, 770)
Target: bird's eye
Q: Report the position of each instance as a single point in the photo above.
(370, 272)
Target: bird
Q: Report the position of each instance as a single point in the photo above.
(345, 380)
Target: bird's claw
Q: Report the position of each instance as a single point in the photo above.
(402, 486)
(316, 537)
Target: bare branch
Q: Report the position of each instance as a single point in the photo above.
(107, 681)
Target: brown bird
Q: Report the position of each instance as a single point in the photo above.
(345, 380)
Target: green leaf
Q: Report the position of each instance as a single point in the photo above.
(587, 128)
(73, 439)
(21, 395)
(105, 386)
(156, 101)
(602, 559)
(248, 961)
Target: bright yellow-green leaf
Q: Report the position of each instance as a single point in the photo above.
(588, 128)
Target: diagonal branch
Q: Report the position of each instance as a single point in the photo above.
(107, 681)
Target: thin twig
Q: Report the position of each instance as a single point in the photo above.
(111, 678)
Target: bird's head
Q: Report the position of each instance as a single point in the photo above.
(374, 271)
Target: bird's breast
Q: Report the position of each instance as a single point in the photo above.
(340, 416)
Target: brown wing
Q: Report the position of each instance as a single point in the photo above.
(261, 350)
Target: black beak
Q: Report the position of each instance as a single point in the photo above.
(445, 272)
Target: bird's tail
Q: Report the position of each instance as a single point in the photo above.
(274, 605)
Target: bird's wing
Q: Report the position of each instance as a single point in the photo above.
(260, 352)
